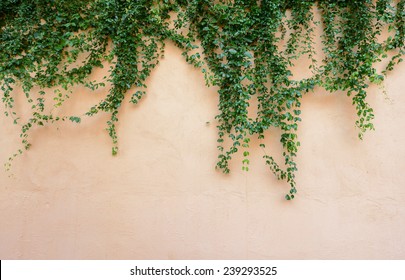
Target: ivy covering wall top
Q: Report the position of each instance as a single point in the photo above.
(54, 45)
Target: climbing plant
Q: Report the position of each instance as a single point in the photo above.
(246, 48)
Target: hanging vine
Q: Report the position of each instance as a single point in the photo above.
(47, 47)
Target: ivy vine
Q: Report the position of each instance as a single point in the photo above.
(47, 47)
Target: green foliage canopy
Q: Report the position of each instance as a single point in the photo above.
(54, 45)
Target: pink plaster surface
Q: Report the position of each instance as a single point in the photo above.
(161, 197)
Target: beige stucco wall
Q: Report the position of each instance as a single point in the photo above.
(161, 198)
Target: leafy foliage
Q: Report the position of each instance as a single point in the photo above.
(49, 46)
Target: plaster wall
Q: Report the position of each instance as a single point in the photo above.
(161, 197)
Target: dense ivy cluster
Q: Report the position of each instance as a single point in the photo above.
(48, 46)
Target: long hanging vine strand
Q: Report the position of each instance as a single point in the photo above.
(47, 47)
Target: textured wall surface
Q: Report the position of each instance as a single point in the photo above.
(161, 197)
